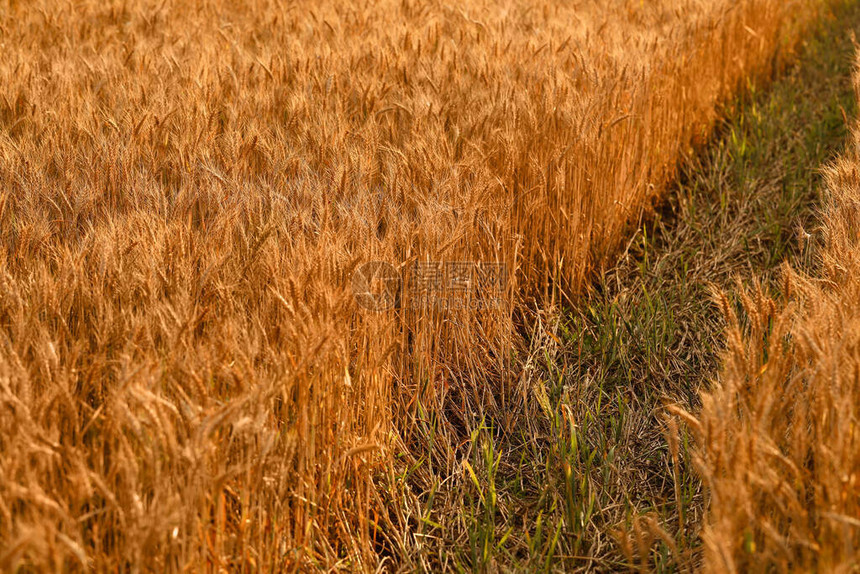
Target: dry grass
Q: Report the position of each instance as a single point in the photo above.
(779, 448)
(186, 189)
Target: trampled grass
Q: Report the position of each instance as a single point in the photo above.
(777, 437)
(186, 189)
(647, 336)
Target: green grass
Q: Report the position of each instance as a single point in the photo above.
(583, 463)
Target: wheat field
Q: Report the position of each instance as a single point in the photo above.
(188, 188)
(778, 436)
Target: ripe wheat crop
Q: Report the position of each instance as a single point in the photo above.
(187, 188)
(778, 438)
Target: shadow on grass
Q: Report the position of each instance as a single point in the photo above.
(586, 478)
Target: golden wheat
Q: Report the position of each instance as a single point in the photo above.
(186, 189)
(779, 445)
